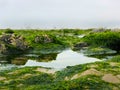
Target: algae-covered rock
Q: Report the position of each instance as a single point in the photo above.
(3, 48)
(80, 45)
(19, 43)
(43, 39)
(99, 51)
(6, 38)
(10, 43)
(19, 61)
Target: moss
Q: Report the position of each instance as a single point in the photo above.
(70, 71)
(116, 58)
(107, 39)
(38, 80)
(16, 78)
(94, 51)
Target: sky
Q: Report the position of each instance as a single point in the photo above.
(59, 14)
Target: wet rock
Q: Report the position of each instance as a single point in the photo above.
(98, 51)
(43, 39)
(19, 61)
(80, 45)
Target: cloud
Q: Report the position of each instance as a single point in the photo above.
(59, 13)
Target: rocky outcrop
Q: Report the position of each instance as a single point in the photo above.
(43, 39)
(19, 42)
(10, 43)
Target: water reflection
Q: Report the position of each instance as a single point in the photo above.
(54, 60)
(21, 60)
(81, 36)
(7, 62)
(64, 59)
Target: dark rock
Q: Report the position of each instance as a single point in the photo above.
(80, 45)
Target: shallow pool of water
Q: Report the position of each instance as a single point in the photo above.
(81, 36)
(64, 59)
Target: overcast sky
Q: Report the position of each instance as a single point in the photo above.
(59, 13)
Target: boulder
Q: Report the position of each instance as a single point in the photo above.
(19, 43)
(43, 39)
(9, 43)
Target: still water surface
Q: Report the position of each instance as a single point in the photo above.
(64, 59)
(56, 61)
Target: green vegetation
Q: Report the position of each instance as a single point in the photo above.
(80, 77)
(106, 39)
(116, 58)
(70, 71)
(16, 42)
(64, 37)
(58, 38)
(94, 51)
(102, 75)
